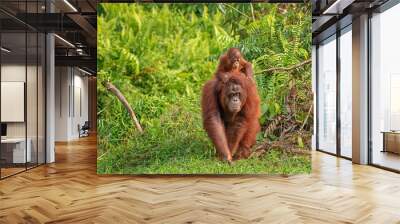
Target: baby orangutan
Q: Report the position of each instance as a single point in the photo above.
(233, 61)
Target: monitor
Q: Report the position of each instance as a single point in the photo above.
(3, 129)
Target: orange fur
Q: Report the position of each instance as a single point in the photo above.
(225, 66)
(232, 135)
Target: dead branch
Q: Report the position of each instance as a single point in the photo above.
(261, 149)
(272, 126)
(297, 151)
(285, 69)
(285, 131)
(264, 147)
(308, 115)
(110, 87)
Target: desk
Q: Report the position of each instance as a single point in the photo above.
(391, 141)
(15, 148)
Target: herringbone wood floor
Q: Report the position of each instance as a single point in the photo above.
(69, 191)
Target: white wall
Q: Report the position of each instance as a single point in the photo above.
(70, 83)
(12, 73)
(62, 82)
(80, 96)
(34, 125)
(16, 73)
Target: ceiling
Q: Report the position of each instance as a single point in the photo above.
(331, 15)
(73, 21)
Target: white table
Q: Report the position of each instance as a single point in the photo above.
(19, 149)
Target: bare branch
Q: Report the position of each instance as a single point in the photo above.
(110, 87)
(285, 69)
(308, 115)
(264, 147)
(272, 126)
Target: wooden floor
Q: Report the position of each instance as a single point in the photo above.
(69, 191)
(386, 159)
(11, 170)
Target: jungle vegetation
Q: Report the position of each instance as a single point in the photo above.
(160, 55)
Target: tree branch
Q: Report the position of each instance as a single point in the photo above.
(252, 12)
(237, 10)
(308, 115)
(110, 87)
(284, 69)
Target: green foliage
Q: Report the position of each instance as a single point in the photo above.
(160, 55)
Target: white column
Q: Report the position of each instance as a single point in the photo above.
(50, 100)
(360, 90)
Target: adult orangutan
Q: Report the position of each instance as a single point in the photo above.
(230, 111)
(232, 60)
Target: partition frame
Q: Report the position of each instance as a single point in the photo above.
(381, 9)
(338, 34)
(44, 80)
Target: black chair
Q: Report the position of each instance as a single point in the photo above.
(84, 130)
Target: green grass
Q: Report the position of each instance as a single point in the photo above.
(159, 56)
(176, 143)
(274, 162)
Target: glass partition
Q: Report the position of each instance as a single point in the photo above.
(385, 88)
(22, 95)
(327, 95)
(346, 92)
(14, 151)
